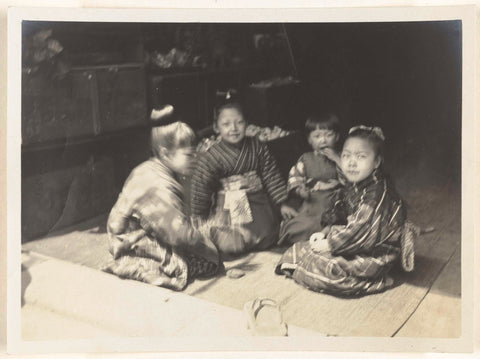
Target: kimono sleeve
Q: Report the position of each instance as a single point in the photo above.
(160, 215)
(359, 235)
(336, 214)
(203, 184)
(297, 176)
(272, 179)
(122, 210)
(118, 220)
(174, 228)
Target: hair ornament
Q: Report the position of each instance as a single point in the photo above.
(376, 130)
(162, 116)
(226, 95)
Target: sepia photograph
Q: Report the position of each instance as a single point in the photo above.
(235, 181)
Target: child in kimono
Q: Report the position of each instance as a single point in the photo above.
(234, 184)
(151, 239)
(313, 178)
(365, 232)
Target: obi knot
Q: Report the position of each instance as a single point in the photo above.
(236, 199)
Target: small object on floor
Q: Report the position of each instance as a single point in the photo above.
(427, 230)
(235, 273)
(264, 318)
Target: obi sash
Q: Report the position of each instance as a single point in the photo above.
(235, 189)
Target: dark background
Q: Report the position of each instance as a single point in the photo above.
(404, 77)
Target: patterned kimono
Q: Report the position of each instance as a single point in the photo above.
(151, 240)
(233, 187)
(309, 169)
(368, 235)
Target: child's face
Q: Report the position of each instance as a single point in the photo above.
(358, 159)
(231, 126)
(179, 159)
(322, 138)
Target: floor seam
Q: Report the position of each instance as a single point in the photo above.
(427, 292)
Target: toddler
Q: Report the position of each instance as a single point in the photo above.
(313, 178)
(365, 231)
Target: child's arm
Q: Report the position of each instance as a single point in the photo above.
(274, 183)
(358, 235)
(202, 186)
(331, 154)
(117, 223)
(297, 180)
(324, 186)
(271, 177)
(287, 211)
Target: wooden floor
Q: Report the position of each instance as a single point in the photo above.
(424, 303)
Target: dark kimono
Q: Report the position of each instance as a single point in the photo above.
(368, 235)
(151, 239)
(233, 188)
(309, 169)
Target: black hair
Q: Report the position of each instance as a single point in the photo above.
(228, 100)
(326, 121)
(228, 105)
(369, 134)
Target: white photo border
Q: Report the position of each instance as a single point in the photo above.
(387, 14)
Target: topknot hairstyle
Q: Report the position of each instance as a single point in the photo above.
(172, 136)
(228, 100)
(374, 135)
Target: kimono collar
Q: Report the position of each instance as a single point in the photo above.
(238, 146)
(160, 163)
(376, 177)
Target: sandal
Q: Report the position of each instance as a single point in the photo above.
(265, 318)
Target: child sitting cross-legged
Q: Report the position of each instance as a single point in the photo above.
(364, 232)
(236, 187)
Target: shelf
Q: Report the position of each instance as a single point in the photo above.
(199, 71)
(81, 140)
(108, 66)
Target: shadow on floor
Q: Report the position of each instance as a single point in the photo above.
(426, 271)
(26, 280)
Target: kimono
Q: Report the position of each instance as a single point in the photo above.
(151, 239)
(309, 169)
(368, 234)
(232, 189)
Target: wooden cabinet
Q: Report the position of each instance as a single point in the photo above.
(81, 137)
(90, 101)
(121, 93)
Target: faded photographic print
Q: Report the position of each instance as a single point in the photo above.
(251, 179)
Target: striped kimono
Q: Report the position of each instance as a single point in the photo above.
(151, 239)
(368, 235)
(255, 169)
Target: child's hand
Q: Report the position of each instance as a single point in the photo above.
(287, 211)
(331, 155)
(323, 186)
(303, 192)
(318, 242)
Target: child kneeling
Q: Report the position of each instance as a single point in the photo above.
(151, 239)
